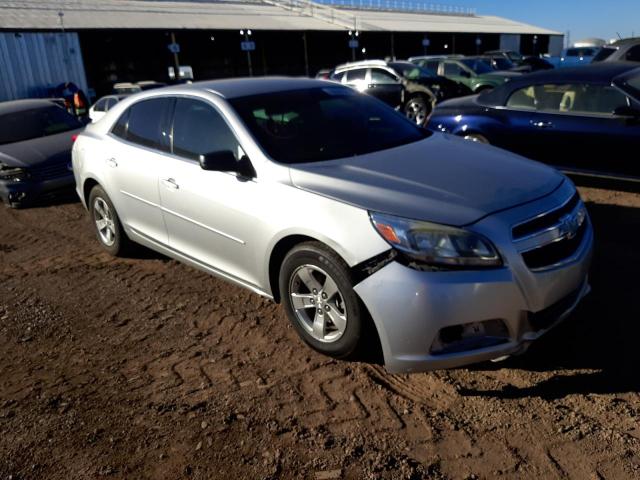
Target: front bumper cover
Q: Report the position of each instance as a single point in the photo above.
(410, 307)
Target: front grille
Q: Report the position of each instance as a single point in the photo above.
(545, 318)
(50, 171)
(552, 237)
(546, 220)
(555, 252)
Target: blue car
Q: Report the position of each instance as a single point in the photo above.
(582, 120)
(575, 57)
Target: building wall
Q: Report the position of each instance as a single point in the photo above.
(33, 63)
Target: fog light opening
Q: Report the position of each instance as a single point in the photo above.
(470, 336)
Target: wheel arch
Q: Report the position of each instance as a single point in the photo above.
(87, 186)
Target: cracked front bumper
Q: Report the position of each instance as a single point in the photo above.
(410, 308)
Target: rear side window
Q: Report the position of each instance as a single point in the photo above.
(145, 123)
(198, 129)
(110, 103)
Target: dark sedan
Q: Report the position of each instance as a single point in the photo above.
(583, 120)
(36, 137)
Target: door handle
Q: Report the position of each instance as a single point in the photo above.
(112, 162)
(170, 183)
(540, 124)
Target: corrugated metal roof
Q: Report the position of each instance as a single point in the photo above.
(227, 15)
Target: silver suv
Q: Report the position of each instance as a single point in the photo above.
(332, 203)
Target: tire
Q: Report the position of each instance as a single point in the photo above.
(342, 314)
(418, 110)
(111, 237)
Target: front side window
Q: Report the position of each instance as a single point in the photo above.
(431, 66)
(35, 123)
(477, 65)
(323, 124)
(452, 69)
(382, 76)
(578, 99)
(146, 124)
(356, 75)
(198, 130)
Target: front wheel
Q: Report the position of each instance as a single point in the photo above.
(318, 296)
(418, 109)
(106, 222)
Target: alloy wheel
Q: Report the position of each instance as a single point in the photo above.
(318, 303)
(104, 222)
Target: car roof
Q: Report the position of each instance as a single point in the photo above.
(603, 73)
(14, 106)
(625, 41)
(245, 87)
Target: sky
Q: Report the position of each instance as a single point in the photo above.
(583, 18)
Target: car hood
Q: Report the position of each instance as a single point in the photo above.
(442, 179)
(38, 151)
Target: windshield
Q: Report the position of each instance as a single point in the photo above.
(478, 65)
(35, 123)
(323, 123)
(410, 71)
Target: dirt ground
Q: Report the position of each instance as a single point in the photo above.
(145, 368)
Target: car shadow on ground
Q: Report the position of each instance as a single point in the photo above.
(602, 336)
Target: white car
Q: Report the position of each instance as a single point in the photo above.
(356, 219)
(103, 105)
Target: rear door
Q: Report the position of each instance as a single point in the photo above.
(386, 87)
(132, 161)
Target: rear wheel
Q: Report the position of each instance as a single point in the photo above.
(318, 296)
(107, 223)
(418, 109)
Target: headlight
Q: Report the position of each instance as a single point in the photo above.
(12, 174)
(434, 244)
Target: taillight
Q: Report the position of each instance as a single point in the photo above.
(74, 137)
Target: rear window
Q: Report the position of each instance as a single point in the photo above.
(323, 124)
(35, 123)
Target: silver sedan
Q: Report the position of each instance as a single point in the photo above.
(357, 220)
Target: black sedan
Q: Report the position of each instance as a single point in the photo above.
(36, 137)
(584, 120)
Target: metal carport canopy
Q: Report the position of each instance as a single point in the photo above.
(229, 15)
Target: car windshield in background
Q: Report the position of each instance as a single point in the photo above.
(35, 123)
(324, 123)
(515, 57)
(411, 72)
(477, 65)
(502, 63)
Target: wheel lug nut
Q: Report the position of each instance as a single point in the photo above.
(320, 311)
(312, 301)
(327, 308)
(315, 292)
(324, 295)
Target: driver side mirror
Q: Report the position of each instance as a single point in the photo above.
(627, 112)
(225, 161)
